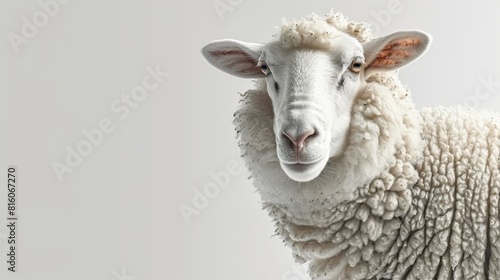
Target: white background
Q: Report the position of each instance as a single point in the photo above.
(116, 215)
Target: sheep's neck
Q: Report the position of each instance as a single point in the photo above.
(361, 233)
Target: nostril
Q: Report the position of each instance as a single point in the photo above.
(302, 138)
(299, 140)
(289, 138)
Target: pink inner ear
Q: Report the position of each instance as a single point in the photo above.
(396, 51)
(219, 53)
(244, 63)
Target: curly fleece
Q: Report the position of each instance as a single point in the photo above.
(415, 195)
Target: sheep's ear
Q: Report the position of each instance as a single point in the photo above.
(394, 51)
(235, 57)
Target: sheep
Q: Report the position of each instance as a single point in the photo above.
(361, 184)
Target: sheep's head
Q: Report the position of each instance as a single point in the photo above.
(313, 73)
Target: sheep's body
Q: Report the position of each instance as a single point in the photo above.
(454, 210)
(431, 210)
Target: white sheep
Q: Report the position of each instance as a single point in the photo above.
(359, 183)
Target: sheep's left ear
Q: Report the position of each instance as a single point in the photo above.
(394, 51)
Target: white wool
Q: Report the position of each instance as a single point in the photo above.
(415, 195)
(375, 170)
(317, 32)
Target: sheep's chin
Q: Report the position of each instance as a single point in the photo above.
(304, 172)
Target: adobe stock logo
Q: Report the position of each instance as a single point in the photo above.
(483, 91)
(121, 107)
(222, 7)
(31, 27)
(121, 275)
(296, 272)
(202, 196)
(384, 17)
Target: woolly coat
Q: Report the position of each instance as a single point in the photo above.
(415, 195)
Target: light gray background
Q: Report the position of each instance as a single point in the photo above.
(117, 214)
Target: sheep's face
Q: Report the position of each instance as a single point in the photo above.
(312, 91)
(312, 88)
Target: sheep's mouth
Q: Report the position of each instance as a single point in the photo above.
(301, 162)
(300, 167)
(304, 172)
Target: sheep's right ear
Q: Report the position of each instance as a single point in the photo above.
(235, 57)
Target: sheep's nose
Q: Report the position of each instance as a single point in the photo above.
(298, 139)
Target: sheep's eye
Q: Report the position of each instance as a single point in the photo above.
(356, 65)
(265, 69)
